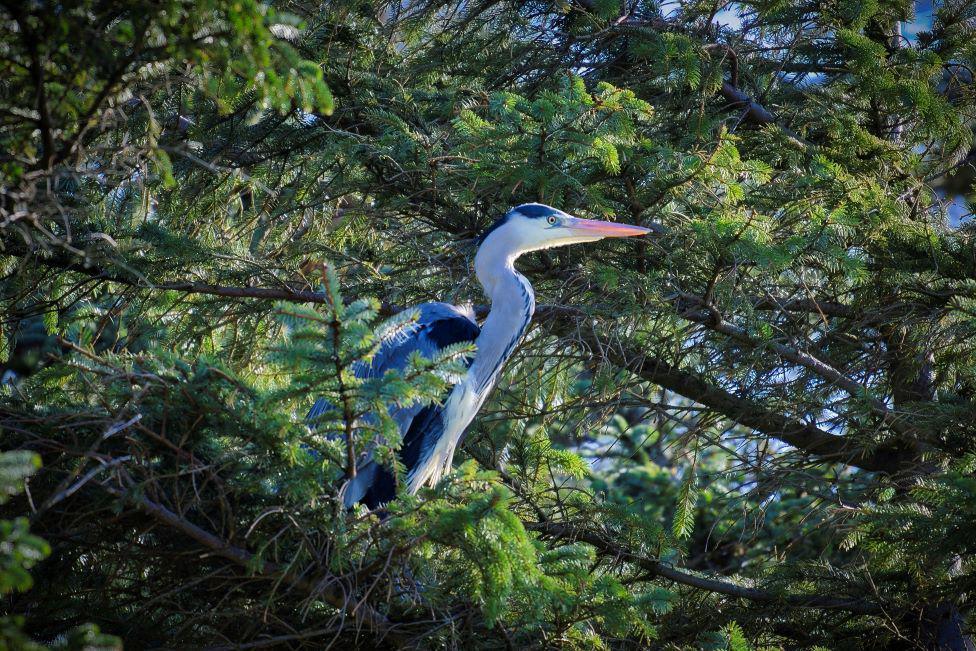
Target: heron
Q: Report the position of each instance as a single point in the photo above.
(431, 432)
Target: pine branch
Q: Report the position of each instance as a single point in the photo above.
(817, 306)
(801, 435)
(735, 96)
(708, 316)
(324, 587)
(804, 436)
(657, 568)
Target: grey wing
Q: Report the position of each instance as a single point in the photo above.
(427, 335)
(438, 325)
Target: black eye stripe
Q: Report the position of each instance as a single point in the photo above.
(529, 210)
(534, 210)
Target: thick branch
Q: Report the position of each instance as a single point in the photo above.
(813, 306)
(757, 113)
(75, 263)
(804, 436)
(264, 293)
(711, 319)
(665, 571)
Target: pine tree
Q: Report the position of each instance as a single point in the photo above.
(754, 430)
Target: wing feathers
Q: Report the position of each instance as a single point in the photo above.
(438, 325)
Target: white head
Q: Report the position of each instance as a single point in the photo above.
(534, 226)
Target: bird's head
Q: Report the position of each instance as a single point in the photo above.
(534, 226)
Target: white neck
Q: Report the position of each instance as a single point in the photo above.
(512, 306)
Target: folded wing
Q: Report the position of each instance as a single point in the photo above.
(438, 326)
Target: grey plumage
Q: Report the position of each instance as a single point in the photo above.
(437, 326)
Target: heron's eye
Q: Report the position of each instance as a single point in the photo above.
(551, 219)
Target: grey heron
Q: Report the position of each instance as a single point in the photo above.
(432, 432)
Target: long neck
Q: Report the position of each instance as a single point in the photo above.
(512, 306)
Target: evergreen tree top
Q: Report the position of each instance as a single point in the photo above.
(756, 430)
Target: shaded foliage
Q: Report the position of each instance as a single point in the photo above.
(755, 429)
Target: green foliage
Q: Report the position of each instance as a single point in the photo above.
(753, 429)
(19, 552)
(557, 146)
(683, 523)
(925, 537)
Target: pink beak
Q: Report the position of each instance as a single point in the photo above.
(605, 229)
